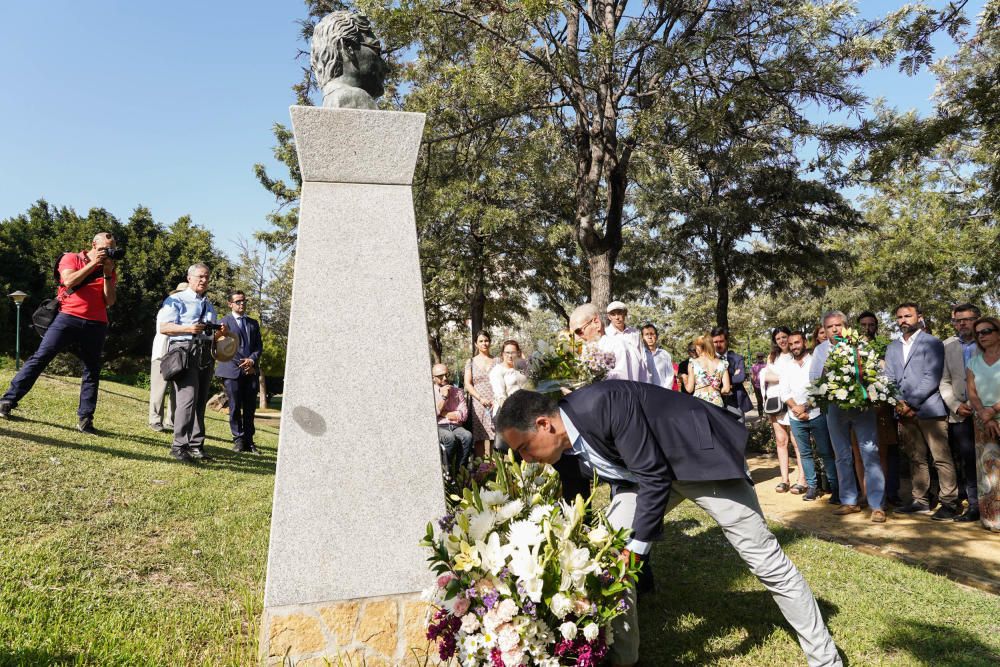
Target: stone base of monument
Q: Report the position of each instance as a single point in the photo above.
(371, 632)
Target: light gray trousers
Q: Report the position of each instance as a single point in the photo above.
(733, 505)
(159, 413)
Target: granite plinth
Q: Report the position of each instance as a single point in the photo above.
(356, 145)
(358, 474)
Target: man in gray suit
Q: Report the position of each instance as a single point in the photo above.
(958, 350)
(915, 364)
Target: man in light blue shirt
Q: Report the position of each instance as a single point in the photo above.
(185, 318)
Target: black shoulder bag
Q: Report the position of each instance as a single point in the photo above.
(180, 356)
(45, 314)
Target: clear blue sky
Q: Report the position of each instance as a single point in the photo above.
(117, 103)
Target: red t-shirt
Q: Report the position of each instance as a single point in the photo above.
(87, 302)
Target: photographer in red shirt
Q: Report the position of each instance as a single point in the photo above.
(87, 283)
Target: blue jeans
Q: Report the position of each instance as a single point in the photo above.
(88, 337)
(865, 426)
(456, 446)
(818, 429)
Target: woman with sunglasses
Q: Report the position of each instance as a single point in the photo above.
(983, 380)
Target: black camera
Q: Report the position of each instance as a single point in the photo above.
(114, 253)
(211, 327)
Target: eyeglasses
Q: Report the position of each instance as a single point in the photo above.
(239, 303)
(985, 332)
(442, 375)
(962, 320)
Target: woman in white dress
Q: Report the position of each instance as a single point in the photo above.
(779, 421)
(506, 378)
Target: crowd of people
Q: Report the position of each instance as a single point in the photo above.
(946, 420)
(190, 346)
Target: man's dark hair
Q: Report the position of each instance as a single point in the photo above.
(231, 294)
(797, 333)
(866, 313)
(649, 325)
(719, 331)
(966, 307)
(521, 409)
(909, 304)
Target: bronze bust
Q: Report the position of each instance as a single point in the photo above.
(347, 61)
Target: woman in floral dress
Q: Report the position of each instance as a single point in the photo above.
(983, 381)
(707, 376)
(477, 386)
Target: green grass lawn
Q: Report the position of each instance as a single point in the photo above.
(111, 553)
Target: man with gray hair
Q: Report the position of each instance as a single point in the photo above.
(585, 323)
(347, 61)
(840, 422)
(87, 288)
(185, 318)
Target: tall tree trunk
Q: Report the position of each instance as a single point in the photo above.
(477, 309)
(600, 279)
(722, 282)
(262, 393)
(434, 343)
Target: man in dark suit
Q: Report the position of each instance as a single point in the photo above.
(738, 398)
(656, 447)
(241, 374)
(915, 364)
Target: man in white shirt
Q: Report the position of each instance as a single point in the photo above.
(806, 420)
(617, 315)
(659, 365)
(585, 322)
(160, 418)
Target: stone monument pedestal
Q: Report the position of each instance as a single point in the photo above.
(358, 473)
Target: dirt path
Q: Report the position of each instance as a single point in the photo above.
(961, 551)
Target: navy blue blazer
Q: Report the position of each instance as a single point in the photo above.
(659, 435)
(919, 379)
(252, 348)
(737, 376)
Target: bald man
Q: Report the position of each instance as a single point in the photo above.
(452, 410)
(87, 287)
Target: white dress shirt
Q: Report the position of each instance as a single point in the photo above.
(505, 381)
(795, 385)
(629, 360)
(908, 345)
(659, 368)
(605, 469)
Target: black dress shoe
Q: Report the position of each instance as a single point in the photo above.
(180, 455)
(913, 508)
(944, 513)
(5, 409)
(238, 445)
(198, 454)
(86, 425)
(968, 516)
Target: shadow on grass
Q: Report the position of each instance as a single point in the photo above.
(939, 645)
(700, 615)
(76, 382)
(221, 458)
(29, 657)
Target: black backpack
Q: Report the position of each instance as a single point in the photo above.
(46, 313)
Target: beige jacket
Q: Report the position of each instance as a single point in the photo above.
(953, 389)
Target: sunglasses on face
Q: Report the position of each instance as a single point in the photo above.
(239, 303)
(985, 332)
(443, 375)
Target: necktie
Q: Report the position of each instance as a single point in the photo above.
(244, 339)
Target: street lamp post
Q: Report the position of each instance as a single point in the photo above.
(18, 298)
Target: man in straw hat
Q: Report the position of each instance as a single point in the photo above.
(187, 319)
(240, 374)
(160, 417)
